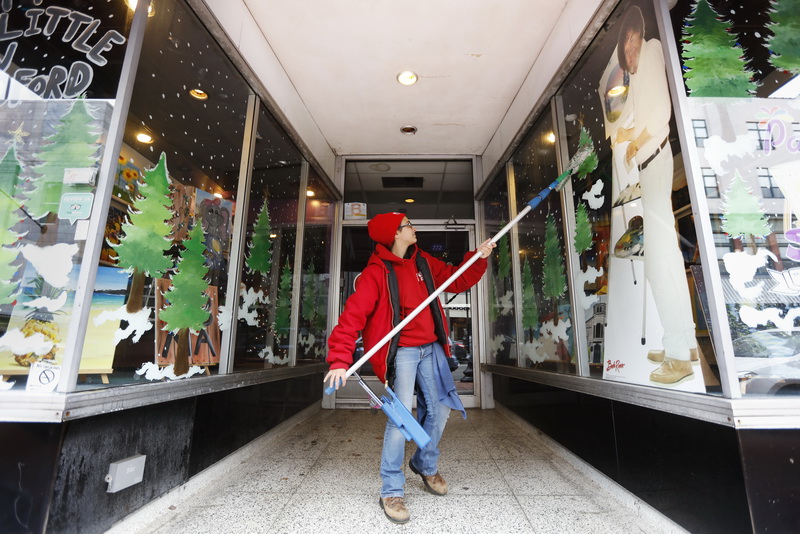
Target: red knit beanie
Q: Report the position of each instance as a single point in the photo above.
(382, 228)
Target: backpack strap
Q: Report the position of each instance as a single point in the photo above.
(394, 296)
(436, 310)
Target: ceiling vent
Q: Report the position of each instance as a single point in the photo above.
(402, 182)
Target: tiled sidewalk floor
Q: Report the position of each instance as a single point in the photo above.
(320, 474)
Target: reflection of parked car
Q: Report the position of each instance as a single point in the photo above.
(768, 362)
(452, 362)
(458, 349)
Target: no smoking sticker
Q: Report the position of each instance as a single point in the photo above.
(43, 377)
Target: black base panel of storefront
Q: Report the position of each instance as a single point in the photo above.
(688, 470)
(52, 476)
(226, 421)
(771, 460)
(28, 460)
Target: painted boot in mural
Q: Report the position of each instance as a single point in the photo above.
(41, 322)
(657, 356)
(672, 372)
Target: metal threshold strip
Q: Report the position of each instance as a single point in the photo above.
(744, 413)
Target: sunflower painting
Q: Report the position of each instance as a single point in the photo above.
(126, 187)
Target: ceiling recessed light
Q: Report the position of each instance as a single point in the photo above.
(551, 137)
(407, 77)
(199, 94)
(132, 6)
(380, 167)
(273, 236)
(143, 137)
(617, 90)
(218, 194)
(408, 129)
(409, 200)
(310, 193)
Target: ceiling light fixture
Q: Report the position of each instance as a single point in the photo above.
(409, 201)
(199, 94)
(407, 77)
(408, 129)
(143, 137)
(310, 193)
(617, 90)
(218, 194)
(551, 137)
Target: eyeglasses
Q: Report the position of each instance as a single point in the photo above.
(407, 225)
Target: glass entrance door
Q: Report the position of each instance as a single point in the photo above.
(449, 245)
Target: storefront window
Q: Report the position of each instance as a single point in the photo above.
(502, 336)
(265, 290)
(546, 339)
(315, 281)
(61, 64)
(637, 257)
(740, 75)
(162, 280)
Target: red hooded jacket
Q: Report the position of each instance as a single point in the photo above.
(369, 310)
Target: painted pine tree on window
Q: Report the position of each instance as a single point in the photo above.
(73, 145)
(713, 60)
(320, 322)
(187, 308)
(742, 212)
(785, 41)
(555, 279)
(503, 256)
(530, 310)
(494, 305)
(259, 251)
(583, 230)
(283, 307)
(11, 199)
(142, 249)
(309, 301)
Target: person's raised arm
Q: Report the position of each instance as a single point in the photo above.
(441, 271)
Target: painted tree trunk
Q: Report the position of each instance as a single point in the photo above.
(136, 293)
(182, 353)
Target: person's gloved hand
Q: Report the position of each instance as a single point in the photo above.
(337, 378)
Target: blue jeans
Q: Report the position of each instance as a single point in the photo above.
(414, 365)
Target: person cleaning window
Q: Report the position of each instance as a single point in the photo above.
(397, 279)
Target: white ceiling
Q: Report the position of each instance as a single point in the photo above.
(471, 57)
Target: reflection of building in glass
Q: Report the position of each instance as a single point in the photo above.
(756, 139)
(733, 138)
(595, 332)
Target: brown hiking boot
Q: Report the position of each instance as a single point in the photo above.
(657, 356)
(434, 484)
(672, 372)
(395, 509)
